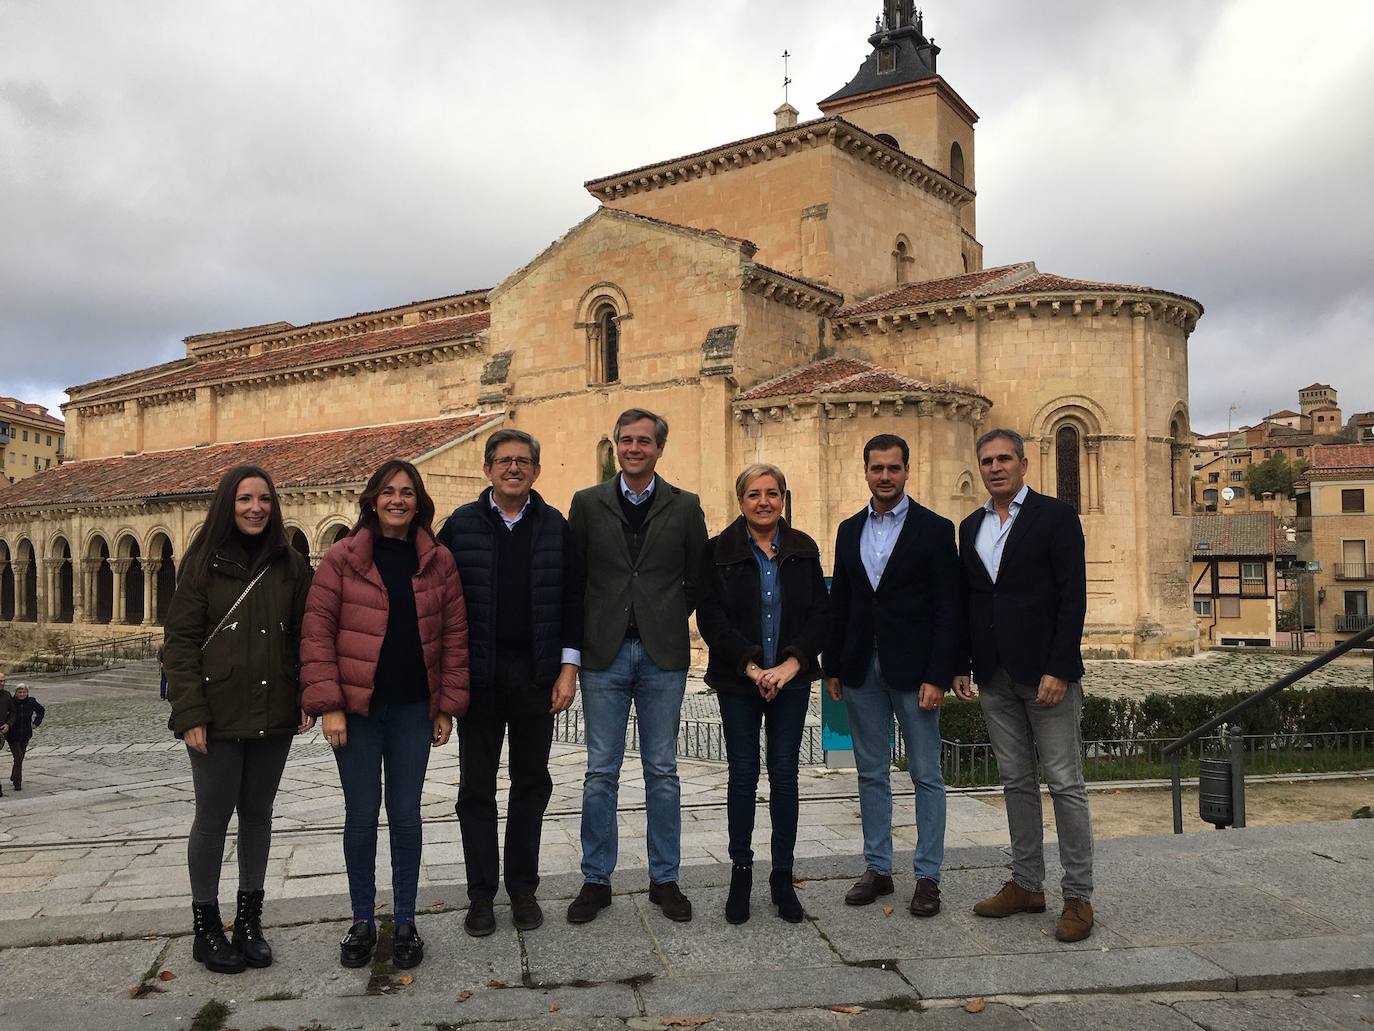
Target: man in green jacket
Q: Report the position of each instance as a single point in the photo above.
(642, 540)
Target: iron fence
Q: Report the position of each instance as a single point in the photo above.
(973, 764)
(93, 654)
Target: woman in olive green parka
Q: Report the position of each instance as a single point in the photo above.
(232, 639)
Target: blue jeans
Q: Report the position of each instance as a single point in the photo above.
(606, 697)
(397, 738)
(871, 707)
(741, 716)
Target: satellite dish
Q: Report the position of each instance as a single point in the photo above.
(1227, 494)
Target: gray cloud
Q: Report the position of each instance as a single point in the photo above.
(172, 169)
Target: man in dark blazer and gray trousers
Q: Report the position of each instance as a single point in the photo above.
(641, 540)
(1026, 583)
(892, 649)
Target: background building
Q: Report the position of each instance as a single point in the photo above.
(782, 297)
(1337, 530)
(31, 440)
(1234, 582)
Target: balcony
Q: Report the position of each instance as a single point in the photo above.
(1353, 570)
(1254, 589)
(1353, 623)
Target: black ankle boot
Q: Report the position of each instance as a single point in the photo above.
(784, 894)
(248, 937)
(737, 902)
(210, 946)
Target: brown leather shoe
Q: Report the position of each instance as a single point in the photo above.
(868, 887)
(926, 901)
(1076, 922)
(1010, 900)
(592, 899)
(669, 898)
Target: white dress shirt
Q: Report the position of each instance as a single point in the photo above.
(569, 656)
(992, 533)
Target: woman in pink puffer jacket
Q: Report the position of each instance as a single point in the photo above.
(384, 661)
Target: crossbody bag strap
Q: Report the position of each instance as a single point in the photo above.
(237, 602)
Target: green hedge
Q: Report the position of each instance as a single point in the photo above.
(1316, 711)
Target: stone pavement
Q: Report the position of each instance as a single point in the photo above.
(1235, 930)
(94, 849)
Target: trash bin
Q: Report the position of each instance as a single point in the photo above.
(1215, 802)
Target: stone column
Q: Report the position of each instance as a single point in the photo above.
(1094, 473)
(1043, 472)
(1140, 316)
(84, 590)
(150, 570)
(120, 568)
(53, 588)
(21, 588)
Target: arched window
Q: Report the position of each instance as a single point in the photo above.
(902, 260)
(1066, 466)
(889, 139)
(606, 329)
(956, 163)
(605, 460)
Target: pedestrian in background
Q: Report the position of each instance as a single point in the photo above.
(231, 650)
(27, 715)
(762, 612)
(6, 714)
(384, 662)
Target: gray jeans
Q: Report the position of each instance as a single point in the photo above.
(1019, 728)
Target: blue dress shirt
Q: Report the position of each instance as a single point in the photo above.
(879, 536)
(992, 533)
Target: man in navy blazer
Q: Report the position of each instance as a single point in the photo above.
(893, 649)
(1026, 583)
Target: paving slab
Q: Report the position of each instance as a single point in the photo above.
(707, 943)
(782, 989)
(1295, 962)
(1349, 1008)
(616, 946)
(1202, 915)
(1247, 1013)
(93, 1014)
(99, 970)
(1096, 1014)
(1116, 970)
(995, 1017)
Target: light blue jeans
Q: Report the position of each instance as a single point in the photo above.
(871, 707)
(657, 697)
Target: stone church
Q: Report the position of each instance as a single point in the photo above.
(780, 298)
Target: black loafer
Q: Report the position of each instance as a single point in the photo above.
(356, 948)
(407, 948)
(525, 912)
(480, 921)
(669, 898)
(592, 899)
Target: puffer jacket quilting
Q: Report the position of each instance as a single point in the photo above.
(345, 624)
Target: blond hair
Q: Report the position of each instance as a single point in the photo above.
(753, 472)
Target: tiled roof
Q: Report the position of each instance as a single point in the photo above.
(13, 408)
(1233, 535)
(1343, 456)
(304, 355)
(842, 376)
(1021, 278)
(315, 459)
(1287, 413)
(1316, 386)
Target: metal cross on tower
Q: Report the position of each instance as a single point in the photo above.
(786, 80)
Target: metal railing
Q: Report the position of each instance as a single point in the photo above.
(1174, 749)
(94, 654)
(1254, 589)
(1352, 622)
(1353, 570)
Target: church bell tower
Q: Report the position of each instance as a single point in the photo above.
(898, 96)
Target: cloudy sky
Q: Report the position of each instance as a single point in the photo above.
(175, 168)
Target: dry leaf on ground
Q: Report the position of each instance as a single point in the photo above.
(493, 983)
(887, 911)
(464, 996)
(554, 1007)
(685, 1021)
(846, 1009)
(405, 979)
(975, 1006)
(166, 975)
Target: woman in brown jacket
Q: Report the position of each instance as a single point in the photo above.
(230, 650)
(384, 661)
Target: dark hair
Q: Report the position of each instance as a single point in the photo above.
(886, 442)
(509, 437)
(630, 415)
(1018, 442)
(219, 520)
(367, 504)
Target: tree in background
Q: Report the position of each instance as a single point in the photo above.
(1274, 475)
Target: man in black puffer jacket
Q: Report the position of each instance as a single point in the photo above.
(524, 599)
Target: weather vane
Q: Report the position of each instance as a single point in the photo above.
(786, 80)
